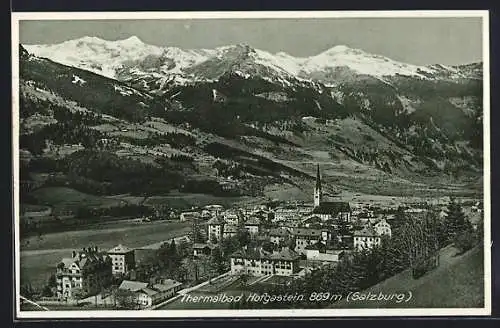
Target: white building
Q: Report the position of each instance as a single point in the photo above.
(257, 262)
(253, 225)
(278, 236)
(306, 237)
(319, 252)
(216, 228)
(123, 259)
(147, 295)
(366, 238)
(185, 216)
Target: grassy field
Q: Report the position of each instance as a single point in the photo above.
(68, 198)
(39, 256)
(182, 201)
(457, 282)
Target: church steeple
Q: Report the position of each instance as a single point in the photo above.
(318, 195)
(318, 178)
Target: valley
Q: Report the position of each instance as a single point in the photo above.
(115, 150)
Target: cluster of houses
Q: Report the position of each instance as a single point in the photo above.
(318, 234)
(89, 271)
(302, 236)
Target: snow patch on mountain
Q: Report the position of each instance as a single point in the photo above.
(133, 59)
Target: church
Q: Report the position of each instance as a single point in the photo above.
(328, 210)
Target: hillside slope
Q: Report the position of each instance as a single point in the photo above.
(235, 134)
(457, 282)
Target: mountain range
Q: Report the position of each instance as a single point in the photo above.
(243, 116)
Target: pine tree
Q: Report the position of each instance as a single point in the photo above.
(455, 220)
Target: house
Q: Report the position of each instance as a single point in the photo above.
(253, 225)
(230, 230)
(147, 295)
(87, 272)
(366, 238)
(122, 258)
(321, 252)
(231, 217)
(278, 236)
(200, 249)
(382, 228)
(185, 216)
(312, 221)
(257, 262)
(306, 237)
(216, 228)
(168, 288)
(215, 209)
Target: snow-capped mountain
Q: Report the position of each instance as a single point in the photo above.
(419, 121)
(133, 60)
(109, 57)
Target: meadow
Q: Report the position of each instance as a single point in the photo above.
(39, 256)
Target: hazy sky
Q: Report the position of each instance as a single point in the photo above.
(419, 41)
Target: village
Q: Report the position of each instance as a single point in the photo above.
(258, 244)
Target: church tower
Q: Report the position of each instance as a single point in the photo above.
(318, 195)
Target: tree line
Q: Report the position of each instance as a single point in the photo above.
(415, 244)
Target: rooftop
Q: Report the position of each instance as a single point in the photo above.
(307, 232)
(215, 221)
(167, 284)
(133, 286)
(257, 254)
(281, 232)
(366, 232)
(319, 246)
(120, 249)
(252, 221)
(332, 208)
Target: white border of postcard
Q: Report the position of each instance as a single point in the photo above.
(486, 310)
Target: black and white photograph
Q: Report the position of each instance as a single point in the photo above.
(251, 164)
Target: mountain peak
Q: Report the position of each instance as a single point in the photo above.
(133, 40)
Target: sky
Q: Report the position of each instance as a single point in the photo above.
(420, 41)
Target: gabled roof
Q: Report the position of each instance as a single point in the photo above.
(280, 232)
(367, 231)
(201, 246)
(307, 232)
(149, 291)
(285, 254)
(316, 246)
(133, 286)
(312, 219)
(215, 221)
(120, 249)
(332, 208)
(252, 221)
(68, 261)
(258, 254)
(250, 253)
(167, 284)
